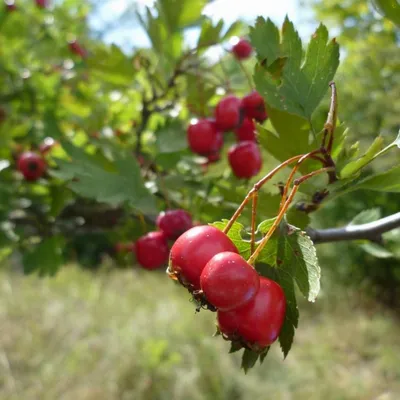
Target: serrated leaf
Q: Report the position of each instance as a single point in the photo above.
(210, 33)
(249, 360)
(234, 29)
(286, 337)
(46, 257)
(355, 166)
(171, 137)
(376, 250)
(302, 85)
(264, 37)
(389, 9)
(121, 184)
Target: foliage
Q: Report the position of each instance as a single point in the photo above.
(121, 154)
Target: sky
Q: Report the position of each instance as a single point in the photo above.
(229, 10)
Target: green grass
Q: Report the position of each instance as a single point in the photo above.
(134, 335)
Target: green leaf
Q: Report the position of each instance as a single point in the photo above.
(366, 216)
(233, 30)
(264, 354)
(264, 37)
(302, 85)
(376, 250)
(390, 9)
(355, 166)
(302, 255)
(171, 137)
(249, 360)
(388, 181)
(235, 346)
(210, 33)
(59, 196)
(45, 258)
(111, 65)
(123, 183)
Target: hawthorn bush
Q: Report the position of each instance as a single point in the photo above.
(166, 155)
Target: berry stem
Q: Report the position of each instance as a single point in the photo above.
(256, 188)
(253, 222)
(282, 212)
(247, 75)
(294, 170)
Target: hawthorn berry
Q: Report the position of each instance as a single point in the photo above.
(245, 159)
(152, 250)
(42, 3)
(228, 281)
(253, 106)
(246, 131)
(242, 49)
(227, 113)
(259, 322)
(174, 222)
(203, 137)
(77, 49)
(31, 165)
(192, 251)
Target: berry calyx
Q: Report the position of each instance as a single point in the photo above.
(174, 222)
(258, 323)
(227, 113)
(246, 131)
(245, 159)
(77, 49)
(254, 106)
(152, 250)
(204, 137)
(193, 250)
(242, 49)
(31, 165)
(228, 281)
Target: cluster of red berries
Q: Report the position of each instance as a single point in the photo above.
(152, 249)
(250, 308)
(205, 136)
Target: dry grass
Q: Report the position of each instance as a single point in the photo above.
(124, 335)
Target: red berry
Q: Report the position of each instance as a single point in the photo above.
(242, 49)
(31, 165)
(174, 222)
(204, 137)
(42, 3)
(246, 131)
(77, 49)
(245, 159)
(192, 251)
(259, 322)
(228, 281)
(152, 250)
(254, 106)
(227, 113)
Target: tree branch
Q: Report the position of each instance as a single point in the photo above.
(371, 231)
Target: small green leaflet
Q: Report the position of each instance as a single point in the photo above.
(123, 183)
(300, 85)
(249, 360)
(171, 137)
(45, 258)
(388, 181)
(355, 166)
(366, 216)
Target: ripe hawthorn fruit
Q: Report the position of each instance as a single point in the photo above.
(245, 159)
(253, 106)
(259, 322)
(174, 222)
(204, 137)
(246, 131)
(242, 49)
(228, 113)
(31, 165)
(42, 3)
(192, 251)
(228, 281)
(77, 49)
(152, 250)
